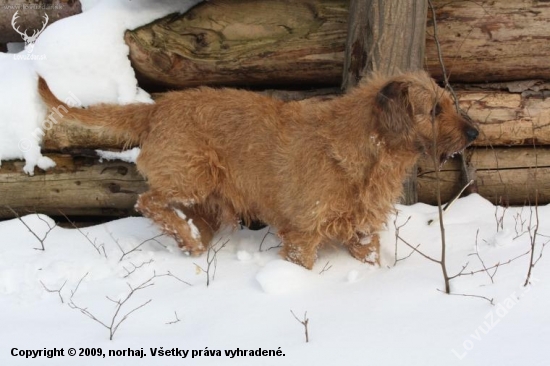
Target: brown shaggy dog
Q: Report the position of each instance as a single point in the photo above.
(317, 171)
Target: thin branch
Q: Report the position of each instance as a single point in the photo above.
(495, 267)
(418, 251)
(533, 237)
(135, 268)
(482, 262)
(174, 321)
(85, 235)
(326, 267)
(212, 261)
(304, 322)
(58, 290)
(490, 300)
(40, 240)
(136, 248)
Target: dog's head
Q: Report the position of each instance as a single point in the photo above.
(415, 113)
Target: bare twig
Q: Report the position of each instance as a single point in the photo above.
(53, 291)
(326, 267)
(482, 262)
(212, 260)
(304, 322)
(86, 236)
(490, 300)
(397, 229)
(135, 268)
(533, 237)
(134, 249)
(487, 269)
(40, 240)
(265, 236)
(115, 321)
(415, 248)
(174, 321)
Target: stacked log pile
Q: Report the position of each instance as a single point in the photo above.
(495, 51)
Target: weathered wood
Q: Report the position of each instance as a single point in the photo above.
(491, 40)
(244, 42)
(76, 186)
(30, 13)
(268, 42)
(508, 118)
(504, 175)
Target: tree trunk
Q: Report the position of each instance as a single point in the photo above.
(30, 15)
(385, 36)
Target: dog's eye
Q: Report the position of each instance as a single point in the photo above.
(436, 110)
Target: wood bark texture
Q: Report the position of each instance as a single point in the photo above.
(244, 42)
(76, 186)
(491, 40)
(269, 42)
(506, 176)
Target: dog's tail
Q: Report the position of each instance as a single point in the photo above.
(128, 122)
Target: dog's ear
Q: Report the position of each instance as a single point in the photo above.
(395, 112)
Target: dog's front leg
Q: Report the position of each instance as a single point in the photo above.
(365, 248)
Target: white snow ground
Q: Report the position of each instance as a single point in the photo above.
(358, 314)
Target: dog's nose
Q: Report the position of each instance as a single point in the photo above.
(471, 134)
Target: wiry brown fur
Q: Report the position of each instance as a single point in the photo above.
(318, 171)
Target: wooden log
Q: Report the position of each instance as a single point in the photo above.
(30, 13)
(491, 40)
(76, 186)
(508, 118)
(509, 176)
(270, 42)
(244, 42)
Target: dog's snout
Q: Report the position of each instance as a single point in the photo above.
(471, 134)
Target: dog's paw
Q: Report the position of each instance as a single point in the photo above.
(366, 253)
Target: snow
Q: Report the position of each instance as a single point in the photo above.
(358, 313)
(129, 156)
(83, 56)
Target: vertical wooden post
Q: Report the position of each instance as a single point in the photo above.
(385, 36)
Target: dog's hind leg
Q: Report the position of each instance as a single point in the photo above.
(300, 247)
(192, 231)
(365, 248)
